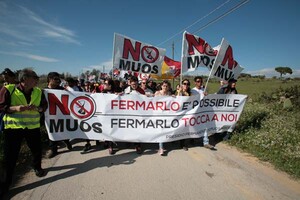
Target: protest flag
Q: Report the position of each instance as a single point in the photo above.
(170, 69)
(196, 52)
(135, 56)
(225, 67)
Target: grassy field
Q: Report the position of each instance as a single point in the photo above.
(251, 86)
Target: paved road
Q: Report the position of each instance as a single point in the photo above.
(195, 174)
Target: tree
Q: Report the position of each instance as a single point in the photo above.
(283, 70)
(95, 72)
(244, 75)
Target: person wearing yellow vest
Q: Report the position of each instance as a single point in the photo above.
(22, 104)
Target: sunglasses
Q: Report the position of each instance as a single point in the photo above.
(143, 83)
(186, 84)
(198, 81)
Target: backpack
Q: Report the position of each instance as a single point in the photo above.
(3, 113)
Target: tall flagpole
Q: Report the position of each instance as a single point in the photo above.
(113, 57)
(173, 48)
(183, 38)
(216, 62)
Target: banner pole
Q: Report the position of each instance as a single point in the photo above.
(183, 36)
(113, 57)
(214, 65)
(173, 49)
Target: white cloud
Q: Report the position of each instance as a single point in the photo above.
(30, 56)
(106, 66)
(40, 21)
(23, 24)
(40, 58)
(60, 37)
(11, 31)
(91, 67)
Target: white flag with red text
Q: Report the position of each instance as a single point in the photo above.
(196, 52)
(135, 56)
(225, 67)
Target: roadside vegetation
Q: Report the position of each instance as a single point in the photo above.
(269, 128)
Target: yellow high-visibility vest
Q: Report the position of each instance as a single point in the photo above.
(25, 119)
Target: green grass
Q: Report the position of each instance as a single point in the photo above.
(270, 129)
(251, 86)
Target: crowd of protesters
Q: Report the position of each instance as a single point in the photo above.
(23, 104)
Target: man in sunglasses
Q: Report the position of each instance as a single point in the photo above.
(53, 80)
(148, 91)
(22, 104)
(199, 89)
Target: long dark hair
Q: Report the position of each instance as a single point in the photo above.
(189, 83)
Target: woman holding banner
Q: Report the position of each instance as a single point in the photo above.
(165, 91)
(134, 88)
(109, 88)
(230, 88)
(184, 90)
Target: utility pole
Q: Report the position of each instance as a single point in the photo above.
(173, 49)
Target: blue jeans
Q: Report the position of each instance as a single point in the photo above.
(161, 145)
(205, 138)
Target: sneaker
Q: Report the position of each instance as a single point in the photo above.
(211, 147)
(111, 151)
(51, 153)
(97, 143)
(69, 145)
(105, 144)
(185, 148)
(87, 147)
(40, 172)
(138, 150)
(226, 137)
(161, 151)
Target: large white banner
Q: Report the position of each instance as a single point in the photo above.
(225, 67)
(196, 53)
(135, 56)
(137, 118)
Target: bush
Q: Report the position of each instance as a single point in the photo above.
(270, 129)
(252, 117)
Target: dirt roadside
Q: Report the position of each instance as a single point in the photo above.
(195, 174)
